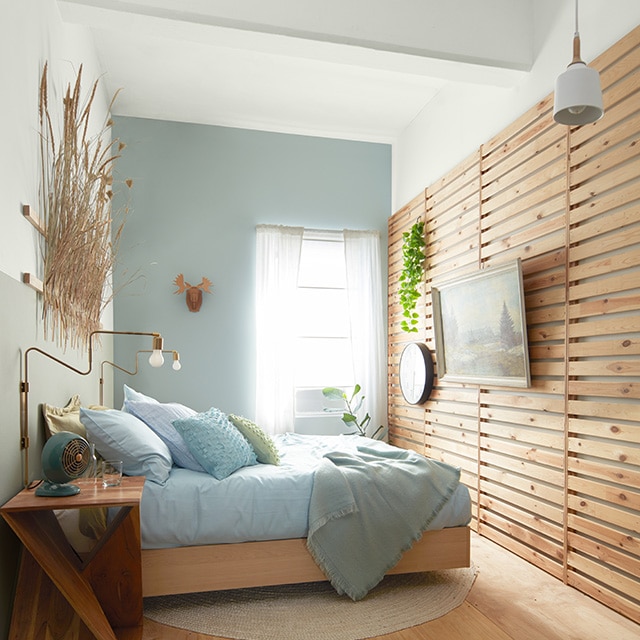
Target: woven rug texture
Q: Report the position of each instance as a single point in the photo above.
(314, 611)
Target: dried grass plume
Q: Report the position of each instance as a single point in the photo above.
(81, 230)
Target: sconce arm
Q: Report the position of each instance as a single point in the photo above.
(24, 383)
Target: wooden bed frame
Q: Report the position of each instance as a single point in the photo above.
(257, 564)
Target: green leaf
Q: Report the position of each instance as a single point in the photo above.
(348, 418)
(333, 393)
(412, 274)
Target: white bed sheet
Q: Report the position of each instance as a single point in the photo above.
(261, 502)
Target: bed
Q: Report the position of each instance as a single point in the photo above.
(255, 564)
(262, 523)
(271, 547)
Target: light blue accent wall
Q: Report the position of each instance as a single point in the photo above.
(198, 194)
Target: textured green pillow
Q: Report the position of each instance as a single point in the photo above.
(262, 444)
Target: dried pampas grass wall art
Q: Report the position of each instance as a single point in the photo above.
(82, 231)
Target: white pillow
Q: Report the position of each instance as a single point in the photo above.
(121, 436)
(135, 396)
(159, 418)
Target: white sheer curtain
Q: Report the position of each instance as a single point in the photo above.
(277, 260)
(366, 316)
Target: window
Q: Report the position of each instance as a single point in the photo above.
(319, 322)
(323, 354)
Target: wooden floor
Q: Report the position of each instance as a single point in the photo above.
(510, 600)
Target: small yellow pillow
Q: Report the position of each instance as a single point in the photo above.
(64, 418)
(67, 418)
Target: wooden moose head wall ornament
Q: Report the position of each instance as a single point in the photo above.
(194, 293)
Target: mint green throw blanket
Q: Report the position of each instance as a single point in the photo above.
(369, 506)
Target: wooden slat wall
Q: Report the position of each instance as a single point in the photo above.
(603, 341)
(553, 470)
(452, 237)
(521, 451)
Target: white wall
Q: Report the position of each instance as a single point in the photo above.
(31, 32)
(458, 120)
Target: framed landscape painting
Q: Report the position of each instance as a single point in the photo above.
(480, 328)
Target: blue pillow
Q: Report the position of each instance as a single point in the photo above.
(158, 417)
(121, 436)
(215, 443)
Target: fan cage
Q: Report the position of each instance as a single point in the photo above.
(75, 457)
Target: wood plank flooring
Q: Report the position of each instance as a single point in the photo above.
(510, 600)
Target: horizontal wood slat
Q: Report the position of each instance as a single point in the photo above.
(553, 470)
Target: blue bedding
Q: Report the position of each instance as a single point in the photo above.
(260, 502)
(368, 507)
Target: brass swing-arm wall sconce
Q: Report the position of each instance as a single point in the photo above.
(176, 366)
(156, 360)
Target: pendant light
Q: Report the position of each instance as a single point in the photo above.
(578, 96)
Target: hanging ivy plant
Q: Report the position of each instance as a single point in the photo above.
(412, 275)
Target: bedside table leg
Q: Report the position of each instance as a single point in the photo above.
(115, 571)
(43, 539)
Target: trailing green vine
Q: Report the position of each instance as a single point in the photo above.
(412, 275)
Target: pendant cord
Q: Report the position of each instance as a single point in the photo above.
(576, 41)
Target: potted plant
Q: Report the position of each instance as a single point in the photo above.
(353, 404)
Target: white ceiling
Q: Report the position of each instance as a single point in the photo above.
(354, 69)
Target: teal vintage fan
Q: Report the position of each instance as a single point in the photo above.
(65, 457)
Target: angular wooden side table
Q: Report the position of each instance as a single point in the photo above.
(104, 588)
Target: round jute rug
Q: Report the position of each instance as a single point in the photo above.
(314, 611)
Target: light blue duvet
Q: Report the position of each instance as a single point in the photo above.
(260, 502)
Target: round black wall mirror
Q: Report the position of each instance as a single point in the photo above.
(416, 373)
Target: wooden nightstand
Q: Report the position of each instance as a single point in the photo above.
(104, 588)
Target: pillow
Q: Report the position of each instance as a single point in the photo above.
(262, 444)
(216, 444)
(133, 395)
(67, 418)
(121, 436)
(159, 417)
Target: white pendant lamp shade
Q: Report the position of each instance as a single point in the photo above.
(578, 96)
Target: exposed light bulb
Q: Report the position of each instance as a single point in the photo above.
(577, 110)
(156, 359)
(176, 365)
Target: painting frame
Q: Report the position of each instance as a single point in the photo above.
(475, 343)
